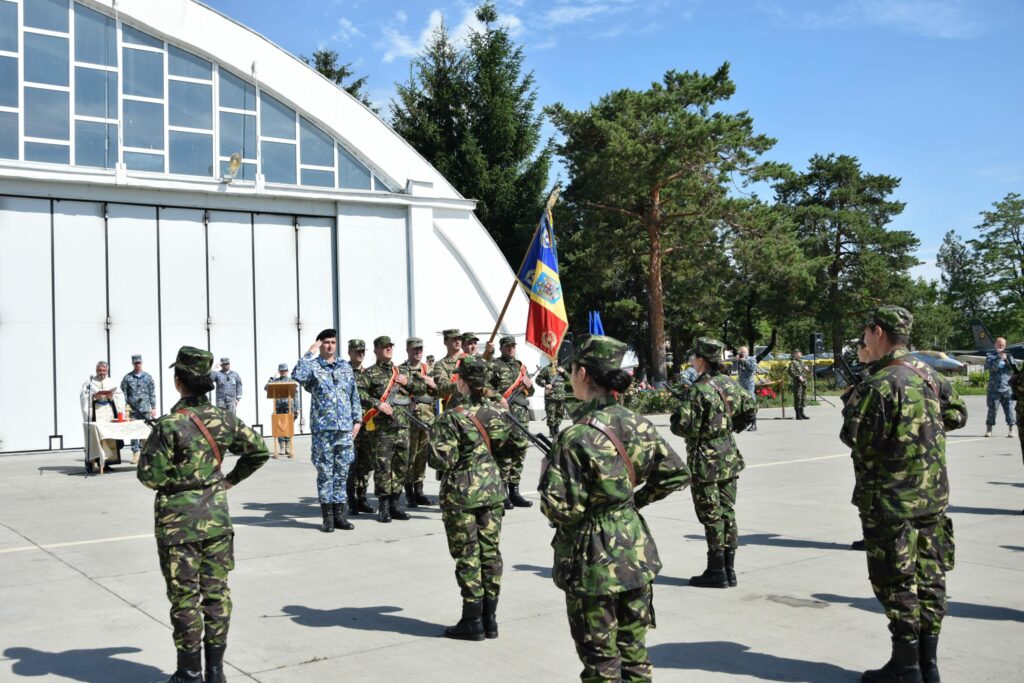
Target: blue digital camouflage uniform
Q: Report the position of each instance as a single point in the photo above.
(283, 406)
(229, 389)
(746, 370)
(333, 412)
(140, 396)
(999, 393)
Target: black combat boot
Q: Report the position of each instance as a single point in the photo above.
(903, 666)
(361, 503)
(929, 661)
(508, 502)
(517, 500)
(351, 497)
(395, 511)
(857, 545)
(798, 415)
(383, 511)
(420, 498)
(340, 522)
(190, 668)
(470, 626)
(803, 414)
(328, 515)
(730, 572)
(714, 576)
(753, 425)
(215, 663)
(410, 496)
(489, 620)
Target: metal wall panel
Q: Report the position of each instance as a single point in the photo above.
(316, 283)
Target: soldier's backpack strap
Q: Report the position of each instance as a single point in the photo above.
(205, 432)
(920, 373)
(479, 426)
(616, 441)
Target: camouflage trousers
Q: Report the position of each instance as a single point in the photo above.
(554, 409)
(510, 458)
(419, 444)
(715, 504)
(333, 453)
(362, 464)
(609, 632)
(907, 564)
(473, 537)
(390, 451)
(995, 399)
(799, 395)
(1020, 421)
(197, 585)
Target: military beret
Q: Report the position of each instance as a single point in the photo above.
(225, 360)
(193, 361)
(473, 371)
(329, 333)
(356, 345)
(382, 341)
(468, 337)
(136, 358)
(448, 334)
(599, 352)
(707, 348)
(414, 343)
(282, 366)
(507, 340)
(893, 319)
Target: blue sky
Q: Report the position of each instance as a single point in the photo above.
(927, 90)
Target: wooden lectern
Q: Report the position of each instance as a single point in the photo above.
(282, 425)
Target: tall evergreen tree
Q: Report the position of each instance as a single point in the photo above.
(326, 62)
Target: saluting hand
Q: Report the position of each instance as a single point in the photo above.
(315, 348)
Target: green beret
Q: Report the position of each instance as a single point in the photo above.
(507, 340)
(599, 352)
(707, 348)
(473, 371)
(193, 361)
(448, 334)
(356, 345)
(382, 341)
(893, 319)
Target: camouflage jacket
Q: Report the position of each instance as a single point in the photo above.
(999, 372)
(602, 543)
(469, 475)
(1017, 387)
(335, 404)
(374, 380)
(229, 385)
(177, 461)
(442, 373)
(746, 370)
(798, 371)
(556, 379)
(421, 394)
(139, 392)
(896, 425)
(504, 373)
(708, 424)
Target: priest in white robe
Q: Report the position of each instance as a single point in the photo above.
(102, 399)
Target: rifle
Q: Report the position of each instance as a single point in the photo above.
(852, 377)
(413, 417)
(539, 440)
(518, 390)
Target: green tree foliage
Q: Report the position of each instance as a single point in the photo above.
(326, 62)
(964, 288)
(1000, 248)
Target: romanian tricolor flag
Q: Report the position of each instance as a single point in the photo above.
(547, 323)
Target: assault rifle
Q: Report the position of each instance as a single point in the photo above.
(413, 417)
(518, 390)
(852, 377)
(539, 440)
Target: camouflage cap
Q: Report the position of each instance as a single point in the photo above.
(599, 352)
(136, 358)
(193, 361)
(473, 371)
(468, 337)
(430, 359)
(507, 340)
(282, 366)
(893, 319)
(356, 345)
(414, 343)
(448, 334)
(225, 360)
(707, 348)
(382, 341)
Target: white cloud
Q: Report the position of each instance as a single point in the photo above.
(401, 16)
(944, 19)
(570, 14)
(397, 44)
(346, 31)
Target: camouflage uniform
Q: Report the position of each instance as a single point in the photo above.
(140, 396)
(362, 465)
(605, 557)
(554, 376)
(999, 393)
(422, 404)
(229, 387)
(895, 423)
(1017, 387)
(504, 372)
(193, 524)
(798, 372)
(443, 372)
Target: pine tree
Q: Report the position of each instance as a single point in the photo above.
(325, 61)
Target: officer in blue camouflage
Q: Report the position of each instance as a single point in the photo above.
(747, 369)
(334, 419)
(283, 406)
(139, 391)
(229, 386)
(362, 465)
(1000, 369)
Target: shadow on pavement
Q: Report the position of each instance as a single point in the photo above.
(543, 572)
(980, 511)
(1015, 548)
(738, 660)
(82, 665)
(960, 610)
(380, 618)
(282, 514)
(1016, 484)
(780, 541)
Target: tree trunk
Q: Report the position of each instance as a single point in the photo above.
(656, 312)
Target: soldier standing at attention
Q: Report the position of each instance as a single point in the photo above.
(283, 406)
(334, 421)
(1000, 368)
(445, 368)
(195, 540)
(463, 440)
(553, 378)
(362, 465)
(229, 386)
(139, 391)
(423, 406)
(509, 377)
(605, 557)
(710, 412)
(798, 372)
(896, 422)
(746, 370)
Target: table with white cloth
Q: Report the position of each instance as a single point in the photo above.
(98, 432)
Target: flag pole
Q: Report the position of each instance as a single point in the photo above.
(552, 198)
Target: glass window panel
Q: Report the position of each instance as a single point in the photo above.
(317, 178)
(351, 173)
(236, 93)
(378, 184)
(317, 148)
(95, 37)
(136, 37)
(137, 161)
(181, 63)
(234, 129)
(190, 105)
(95, 93)
(48, 14)
(191, 153)
(277, 120)
(8, 135)
(50, 154)
(279, 162)
(8, 26)
(143, 125)
(8, 82)
(95, 144)
(47, 114)
(46, 59)
(246, 172)
(143, 73)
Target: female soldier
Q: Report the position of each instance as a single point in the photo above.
(463, 440)
(711, 410)
(605, 557)
(182, 460)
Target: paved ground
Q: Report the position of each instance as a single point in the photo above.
(81, 597)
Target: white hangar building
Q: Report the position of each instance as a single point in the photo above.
(120, 234)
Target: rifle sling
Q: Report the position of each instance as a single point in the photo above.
(920, 373)
(616, 441)
(476, 423)
(205, 432)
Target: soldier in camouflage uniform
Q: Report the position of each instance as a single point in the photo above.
(463, 441)
(798, 372)
(1000, 368)
(423, 405)
(605, 557)
(447, 367)
(182, 462)
(139, 391)
(1017, 387)
(229, 386)
(552, 378)
(334, 418)
(362, 465)
(508, 377)
(710, 412)
(895, 422)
